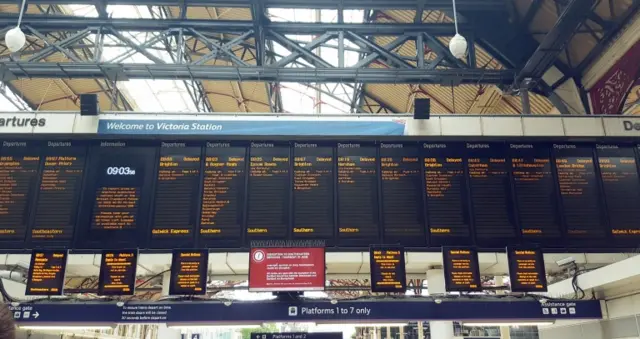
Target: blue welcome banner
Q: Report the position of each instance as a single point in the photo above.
(251, 127)
(344, 311)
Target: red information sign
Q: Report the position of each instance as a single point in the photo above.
(286, 269)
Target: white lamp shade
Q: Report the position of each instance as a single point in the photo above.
(15, 39)
(458, 46)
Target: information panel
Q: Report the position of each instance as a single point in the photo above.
(274, 269)
(313, 192)
(579, 191)
(223, 191)
(269, 187)
(535, 192)
(118, 272)
(358, 218)
(19, 162)
(46, 272)
(177, 195)
(526, 270)
(402, 202)
(619, 173)
(447, 213)
(492, 207)
(59, 191)
(461, 269)
(189, 270)
(387, 265)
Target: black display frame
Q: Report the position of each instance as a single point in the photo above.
(174, 289)
(61, 279)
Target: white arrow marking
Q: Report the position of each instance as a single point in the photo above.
(36, 314)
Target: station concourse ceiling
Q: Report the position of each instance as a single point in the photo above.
(534, 18)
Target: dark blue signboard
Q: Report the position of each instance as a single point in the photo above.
(259, 312)
(297, 335)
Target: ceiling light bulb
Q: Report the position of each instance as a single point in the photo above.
(458, 46)
(15, 39)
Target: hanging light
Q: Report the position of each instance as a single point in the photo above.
(15, 38)
(458, 44)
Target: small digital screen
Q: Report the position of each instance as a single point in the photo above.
(313, 200)
(579, 192)
(60, 186)
(189, 272)
(388, 272)
(269, 187)
(402, 203)
(118, 272)
(447, 213)
(19, 163)
(46, 272)
(223, 191)
(621, 187)
(358, 214)
(177, 194)
(461, 269)
(526, 270)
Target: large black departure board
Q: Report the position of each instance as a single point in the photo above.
(579, 191)
(402, 202)
(118, 272)
(59, 189)
(177, 195)
(621, 186)
(358, 218)
(490, 193)
(269, 191)
(223, 191)
(313, 191)
(445, 185)
(46, 272)
(189, 272)
(526, 270)
(19, 163)
(535, 192)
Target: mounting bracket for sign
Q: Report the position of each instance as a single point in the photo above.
(287, 243)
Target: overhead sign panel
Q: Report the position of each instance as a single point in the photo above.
(461, 269)
(118, 272)
(273, 269)
(387, 265)
(526, 269)
(46, 272)
(189, 272)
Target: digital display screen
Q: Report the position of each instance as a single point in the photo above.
(358, 218)
(535, 191)
(492, 208)
(177, 194)
(19, 163)
(388, 273)
(447, 213)
(526, 270)
(402, 202)
(223, 186)
(269, 187)
(189, 270)
(579, 191)
(313, 191)
(59, 190)
(118, 272)
(461, 269)
(46, 272)
(621, 186)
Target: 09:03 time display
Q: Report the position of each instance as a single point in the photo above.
(172, 194)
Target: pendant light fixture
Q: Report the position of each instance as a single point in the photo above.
(458, 44)
(15, 38)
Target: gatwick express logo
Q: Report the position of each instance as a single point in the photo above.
(630, 125)
(22, 122)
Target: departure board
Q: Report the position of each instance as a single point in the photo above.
(59, 190)
(526, 270)
(19, 163)
(46, 272)
(313, 191)
(489, 186)
(461, 269)
(387, 265)
(358, 218)
(445, 181)
(535, 191)
(402, 203)
(223, 191)
(189, 272)
(621, 186)
(177, 194)
(269, 187)
(117, 272)
(579, 191)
